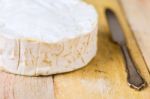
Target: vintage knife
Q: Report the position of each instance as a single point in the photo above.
(134, 78)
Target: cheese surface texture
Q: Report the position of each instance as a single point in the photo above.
(44, 37)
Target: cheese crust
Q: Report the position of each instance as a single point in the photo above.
(34, 58)
(45, 37)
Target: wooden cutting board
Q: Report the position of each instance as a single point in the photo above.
(103, 78)
(138, 15)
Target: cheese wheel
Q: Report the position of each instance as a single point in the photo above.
(45, 37)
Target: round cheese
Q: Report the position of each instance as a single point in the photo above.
(44, 37)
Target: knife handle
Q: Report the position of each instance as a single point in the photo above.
(133, 77)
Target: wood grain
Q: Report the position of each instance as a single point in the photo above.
(104, 77)
(138, 15)
(20, 87)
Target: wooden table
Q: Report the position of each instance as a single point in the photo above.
(103, 78)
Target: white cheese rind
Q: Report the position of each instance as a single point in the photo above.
(45, 37)
(46, 20)
(9, 53)
(34, 58)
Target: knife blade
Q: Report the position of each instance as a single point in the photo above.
(134, 79)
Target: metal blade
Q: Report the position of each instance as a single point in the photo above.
(115, 27)
(135, 80)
